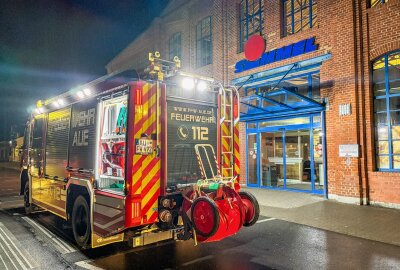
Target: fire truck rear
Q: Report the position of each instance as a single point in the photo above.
(127, 159)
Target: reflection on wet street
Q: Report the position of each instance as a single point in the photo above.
(46, 242)
(274, 244)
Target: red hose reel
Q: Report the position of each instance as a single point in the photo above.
(218, 214)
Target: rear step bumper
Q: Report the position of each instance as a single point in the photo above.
(152, 237)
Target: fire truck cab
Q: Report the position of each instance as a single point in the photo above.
(139, 160)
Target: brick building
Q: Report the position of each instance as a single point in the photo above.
(320, 106)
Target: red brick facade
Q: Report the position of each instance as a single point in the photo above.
(350, 31)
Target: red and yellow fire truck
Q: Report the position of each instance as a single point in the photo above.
(139, 160)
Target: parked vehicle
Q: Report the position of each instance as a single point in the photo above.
(127, 159)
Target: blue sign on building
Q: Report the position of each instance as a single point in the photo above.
(292, 50)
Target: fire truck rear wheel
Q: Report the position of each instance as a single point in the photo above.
(28, 206)
(252, 208)
(81, 221)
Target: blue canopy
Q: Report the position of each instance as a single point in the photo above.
(280, 102)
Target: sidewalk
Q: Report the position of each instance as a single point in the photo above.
(10, 165)
(369, 222)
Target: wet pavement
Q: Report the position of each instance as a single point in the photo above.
(370, 222)
(46, 243)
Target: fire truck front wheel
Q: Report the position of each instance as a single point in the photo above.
(28, 206)
(81, 221)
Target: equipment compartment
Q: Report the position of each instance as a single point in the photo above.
(112, 144)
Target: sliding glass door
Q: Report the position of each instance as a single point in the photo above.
(272, 169)
(287, 156)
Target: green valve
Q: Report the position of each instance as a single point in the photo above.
(213, 186)
(116, 185)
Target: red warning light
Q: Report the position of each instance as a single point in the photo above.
(138, 96)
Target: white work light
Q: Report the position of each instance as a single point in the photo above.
(87, 91)
(80, 94)
(39, 110)
(187, 83)
(60, 102)
(201, 85)
(56, 105)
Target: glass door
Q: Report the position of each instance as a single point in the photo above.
(272, 170)
(252, 159)
(298, 159)
(319, 173)
(287, 154)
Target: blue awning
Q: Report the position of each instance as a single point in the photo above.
(270, 74)
(280, 102)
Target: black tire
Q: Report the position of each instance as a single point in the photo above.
(214, 214)
(28, 206)
(81, 221)
(250, 197)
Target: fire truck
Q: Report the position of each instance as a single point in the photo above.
(142, 160)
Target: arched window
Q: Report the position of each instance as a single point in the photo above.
(251, 14)
(386, 86)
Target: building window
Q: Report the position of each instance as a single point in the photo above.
(175, 46)
(377, 2)
(298, 15)
(386, 86)
(251, 13)
(204, 42)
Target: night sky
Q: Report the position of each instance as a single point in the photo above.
(49, 46)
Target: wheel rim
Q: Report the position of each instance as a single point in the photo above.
(81, 221)
(203, 217)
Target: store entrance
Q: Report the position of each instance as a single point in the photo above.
(287, 156)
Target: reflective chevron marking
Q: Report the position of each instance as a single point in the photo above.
(236, 152)
(146, 169)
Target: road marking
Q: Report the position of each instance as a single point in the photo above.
(3, 262)
(8, 255)
(86, 264)
(61, 245)
(12, 247)
(265, 220)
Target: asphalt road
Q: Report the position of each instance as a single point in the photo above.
(43, 241)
